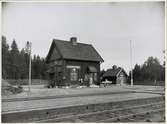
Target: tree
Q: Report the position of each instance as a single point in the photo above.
(137, 73)
(14, 61)
(101, 74)
(5, 58)
(23, 58)
(151, 70)
(44, 68)
(37, 67)
(33, 67)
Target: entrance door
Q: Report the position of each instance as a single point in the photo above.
(91, 79)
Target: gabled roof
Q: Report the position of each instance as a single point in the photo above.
(80, 51)
(113, 72)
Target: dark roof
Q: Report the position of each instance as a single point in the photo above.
(113, 72)
(80, 51)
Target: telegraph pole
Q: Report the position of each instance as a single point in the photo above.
(29, 66)
(28, 51)
(131, 63)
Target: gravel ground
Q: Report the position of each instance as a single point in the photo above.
(71, 101)
(40, 91)
(113, 94)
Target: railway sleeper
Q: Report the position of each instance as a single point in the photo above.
(99, 115)
(140, 117)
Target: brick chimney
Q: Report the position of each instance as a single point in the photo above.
(114, 67)
(73, 40)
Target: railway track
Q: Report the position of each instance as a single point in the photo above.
(119, 111)
(128, 114)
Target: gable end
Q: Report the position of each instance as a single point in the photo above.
(53, 54)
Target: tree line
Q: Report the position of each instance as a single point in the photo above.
(15, 63)
(150, 70)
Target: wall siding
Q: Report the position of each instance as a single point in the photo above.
(83, 69)
(62, 75)
(121, 79)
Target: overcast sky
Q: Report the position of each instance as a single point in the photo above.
(107, 26)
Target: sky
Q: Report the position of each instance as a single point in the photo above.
(108, 26)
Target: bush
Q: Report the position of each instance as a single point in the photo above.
(13, 90)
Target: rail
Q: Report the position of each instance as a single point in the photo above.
(73, 115)
(118, 119)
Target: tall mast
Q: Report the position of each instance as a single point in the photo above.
(30, 67)
(131, 63)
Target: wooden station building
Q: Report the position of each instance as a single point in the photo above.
(72, 63)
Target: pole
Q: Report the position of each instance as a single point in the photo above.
(131, 63)
(30, 69)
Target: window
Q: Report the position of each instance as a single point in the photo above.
(73, 74)
(59, 74)
(95, 76)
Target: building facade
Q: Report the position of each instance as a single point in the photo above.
(73, 63)
(115, 76)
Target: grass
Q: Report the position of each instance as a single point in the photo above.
(8, 89)
(25, 81)
(150, 83)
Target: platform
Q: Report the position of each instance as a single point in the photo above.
(76, 97)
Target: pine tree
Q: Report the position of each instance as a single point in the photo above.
(137, 73)
(14, 61)
(151, 70)
(39, 66)
(33, 67)
(5, 58)
(44, 74)
(23, 64)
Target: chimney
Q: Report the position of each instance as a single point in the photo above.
(114, 67)
(73, 40)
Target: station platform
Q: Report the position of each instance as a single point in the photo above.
(59, 98)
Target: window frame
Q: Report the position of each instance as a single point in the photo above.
(73, 74)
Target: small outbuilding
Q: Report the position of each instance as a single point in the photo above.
(115, 76)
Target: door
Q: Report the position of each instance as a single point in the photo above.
(91, 81)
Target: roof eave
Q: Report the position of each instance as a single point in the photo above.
(82, 59)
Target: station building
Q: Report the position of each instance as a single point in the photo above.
(72, 63)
